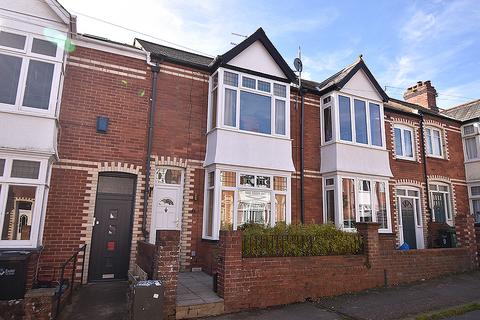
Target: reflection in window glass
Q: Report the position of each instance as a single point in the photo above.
(44, 47)
(279, 183)
(39, 85)
(228, 178)
(263, 182)
(10, 74)
(25, 169)
(213, 110)
(360, 121)
(2, 166)
(255, 112)
(345, 118)
(226, 210)
(280, 207)
(476, 210)
(211, 179)
(330, 205)
(375, 124)
(253, 207)
(279, 116)
(209, 224)
(471, 148)
(247, 180)
(169, 176)
(380, 204)
(263, 86)
(230, 114)
(248, 82)
(115, 185)
(348, 200)
(17, 223)
(408, 143)
(364, 201)
(398, 142)
(327, 123)
(12, 40)
(475, 191)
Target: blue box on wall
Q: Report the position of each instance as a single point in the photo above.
(102, 124)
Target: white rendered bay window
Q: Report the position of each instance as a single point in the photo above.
(360, 121)
(471, 142)
(22, 200)
(244, 198)
(364, 200)
(248, 103)
(30, 68)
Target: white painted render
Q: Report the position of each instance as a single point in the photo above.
(257, 58)
(237, 148)
(27, 133)
(472, 171)
(359, 85)
(354, 159)
(39, 9)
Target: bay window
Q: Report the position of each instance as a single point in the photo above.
(244, 198)
(30, 66)
(474, 192)
(359, 116)
(434, 142)
(248, 103)
(404, 142)
(362, 200)
(22, 194)
(329, 200)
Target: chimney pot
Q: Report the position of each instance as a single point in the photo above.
(423, 94)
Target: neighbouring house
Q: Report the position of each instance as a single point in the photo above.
(469, 115)
(167, 149)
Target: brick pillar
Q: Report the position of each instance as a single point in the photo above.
(167, 257)
(229, 267)
(371, 242)
(39, 304)
(466, 237)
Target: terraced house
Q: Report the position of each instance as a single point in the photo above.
(158, 156)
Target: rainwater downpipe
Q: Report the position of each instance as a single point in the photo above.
(302, 158)
(424, 160)
(153, 103)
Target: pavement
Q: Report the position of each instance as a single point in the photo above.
(401, 302)
(101, 300)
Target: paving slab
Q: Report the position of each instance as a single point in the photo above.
(103, 300)
(407, 300)
(474, 315)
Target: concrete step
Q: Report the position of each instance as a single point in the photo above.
(199, 310)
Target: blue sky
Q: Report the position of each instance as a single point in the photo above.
(401, 41)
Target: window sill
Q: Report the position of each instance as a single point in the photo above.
(436, 157)
(280, 137)
(21, 112)
(350, 143)
(403, 159)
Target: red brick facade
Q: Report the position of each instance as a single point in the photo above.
(99, 83)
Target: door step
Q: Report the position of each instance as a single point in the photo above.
(199, 310)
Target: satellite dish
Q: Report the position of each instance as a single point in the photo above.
(298, 64)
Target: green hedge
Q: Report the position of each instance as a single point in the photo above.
(298, 240)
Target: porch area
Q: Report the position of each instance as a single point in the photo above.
(195, 296)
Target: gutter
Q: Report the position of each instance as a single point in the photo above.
(153, 103)
(424, 160)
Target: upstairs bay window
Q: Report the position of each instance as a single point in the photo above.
(30, 67)
(244, 198)
(360, 121)
(434, 139)
(471, 142)
(247, 103)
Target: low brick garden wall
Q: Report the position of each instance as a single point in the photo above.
(247, 283)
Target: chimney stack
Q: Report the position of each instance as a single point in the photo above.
(424, 94)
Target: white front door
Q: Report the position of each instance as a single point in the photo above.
(167, 207)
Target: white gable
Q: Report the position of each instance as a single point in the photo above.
(257, 58)
(360, 85)
(37, 8)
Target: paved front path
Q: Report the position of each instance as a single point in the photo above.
(103, 300)
(381, 304)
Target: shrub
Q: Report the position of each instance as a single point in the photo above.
(298, 240)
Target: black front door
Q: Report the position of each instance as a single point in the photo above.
(408, 222)
(111, 238)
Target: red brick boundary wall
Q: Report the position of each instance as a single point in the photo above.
(246, 283)
(167, 267)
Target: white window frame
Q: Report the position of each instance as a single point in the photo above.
(449, 214)
(336, 123)
(41, 194)
(404, 128)
(27, 55)
(330, 104)
(221, 102)
(419, 230)
(218, 192)
(472, 197)
(474, 135)
(326, 188)
(441, 134)
(339, 201)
